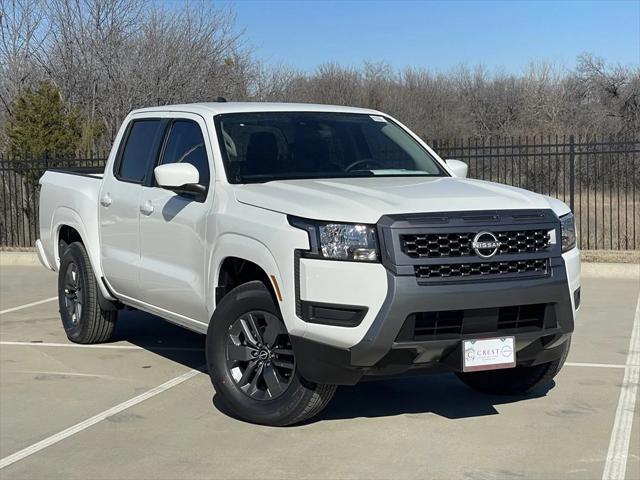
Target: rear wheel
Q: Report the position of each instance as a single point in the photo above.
(515, 381)
(252, 363)
(82, 318)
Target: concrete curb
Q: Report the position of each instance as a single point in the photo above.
(611, 270)
(601, 270)
(25, 259)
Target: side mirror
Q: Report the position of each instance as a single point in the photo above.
(179, 177)
(459, 169)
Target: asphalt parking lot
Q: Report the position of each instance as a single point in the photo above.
(68, 411)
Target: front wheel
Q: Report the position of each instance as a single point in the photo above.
(252, 363)
(518, 380)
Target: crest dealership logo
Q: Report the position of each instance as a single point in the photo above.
(485, 244)
(506, 351)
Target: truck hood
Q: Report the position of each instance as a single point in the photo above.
(365, 200)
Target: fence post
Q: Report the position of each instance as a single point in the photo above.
(572, 173)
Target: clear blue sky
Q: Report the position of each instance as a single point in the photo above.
(440, 35)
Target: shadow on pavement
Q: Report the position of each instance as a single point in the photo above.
(161, 337)
(441, 394)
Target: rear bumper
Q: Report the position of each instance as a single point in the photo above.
(385, 351)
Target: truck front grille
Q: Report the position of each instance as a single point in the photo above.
(454, 323)
(428, 324)
(438, 245)
(438, 248)
(521, 317)
(538, 266)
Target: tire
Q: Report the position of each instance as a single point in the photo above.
(82, 318)
(252, 364)
(515, 381)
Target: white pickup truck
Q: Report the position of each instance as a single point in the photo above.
(314, 245)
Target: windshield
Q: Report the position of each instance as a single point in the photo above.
(260, 147)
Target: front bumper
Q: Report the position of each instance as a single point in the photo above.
(384, 350)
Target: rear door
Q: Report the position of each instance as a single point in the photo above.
(173, 226)
(119, 204)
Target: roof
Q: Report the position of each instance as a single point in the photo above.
(241, 107)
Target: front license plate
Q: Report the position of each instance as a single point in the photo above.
(488, 354)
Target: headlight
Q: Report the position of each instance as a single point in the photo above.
(348, 242)
(340, 241)
(568, 229)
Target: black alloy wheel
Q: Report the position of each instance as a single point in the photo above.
(252, 364)
(259, 355)
(73, 293)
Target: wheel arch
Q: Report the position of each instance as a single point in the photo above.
(237, 258)
(68, 235)
(68, 225)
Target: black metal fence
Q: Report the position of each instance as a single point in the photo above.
(597, 176)
(19, 198)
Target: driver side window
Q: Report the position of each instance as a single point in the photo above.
(185, 144)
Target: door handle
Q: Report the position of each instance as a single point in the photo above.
(146, 208)
(105, 201)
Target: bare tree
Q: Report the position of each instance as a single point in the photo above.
(611, 93)
(107, 57)
(22, 37)
(273, 82)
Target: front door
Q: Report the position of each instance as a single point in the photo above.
(173, 227)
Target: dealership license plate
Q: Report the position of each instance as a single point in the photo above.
(488, 354)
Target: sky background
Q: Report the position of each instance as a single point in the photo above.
(440, 35)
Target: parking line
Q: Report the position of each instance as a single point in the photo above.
(194, 349)
(615, 466)
(27, 305)
(113, 347)
(70, 345)
(595, 365)
(61, 374)
(79, 427)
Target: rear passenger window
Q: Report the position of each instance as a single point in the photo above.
(186, 145)
(139, 151)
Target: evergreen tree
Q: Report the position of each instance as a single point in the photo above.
(41, 124)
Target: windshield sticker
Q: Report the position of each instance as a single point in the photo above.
(378, 118)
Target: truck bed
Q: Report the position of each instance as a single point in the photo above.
(69, 196)
(93, 172)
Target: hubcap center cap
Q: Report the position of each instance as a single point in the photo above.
(264, 354)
